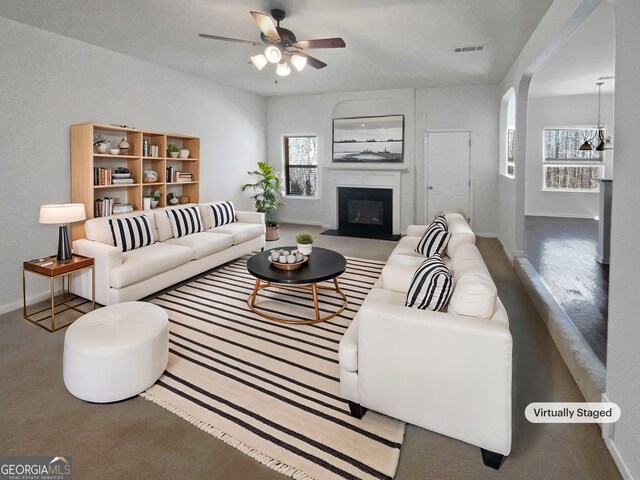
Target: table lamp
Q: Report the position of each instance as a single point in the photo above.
(63, 214)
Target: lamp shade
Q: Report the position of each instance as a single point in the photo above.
(62, 213)
(283, 69)
(259, 61)
(298, 61)
(273, 54)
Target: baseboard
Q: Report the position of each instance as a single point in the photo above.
(557, 215)
(506, 250)
(299, 222)
(618, 460)
(39, 297)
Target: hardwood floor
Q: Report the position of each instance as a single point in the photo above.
(563, 251)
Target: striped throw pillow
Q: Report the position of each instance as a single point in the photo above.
(440, 219)
(185, 221)
(131, 232)
(431, 286)
(222, 213)
(434, 241)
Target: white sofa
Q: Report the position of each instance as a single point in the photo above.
(126, 276)
(444, 371)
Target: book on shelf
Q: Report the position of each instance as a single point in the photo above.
(102, 176)
(117, 181)
(102, 207)
(119, 208)
(153, 150)
(170, 174)
(182, 177)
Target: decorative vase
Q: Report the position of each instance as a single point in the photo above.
(174, 154)
(146, 203)
(101, 148)
(154, 203)
(184, 153)
(305, 248)
(273, 233)
(124, 146)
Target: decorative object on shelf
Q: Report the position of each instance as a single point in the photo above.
(124, 146)
(184, 153)
(173, 150)
(305, 242)
(150, 176)
(62, 214)
(172, 199)
(184, 199)
(282, 46)
(267, 194)
(145, 148)
(603, 141)
(100, 142)
(146, 203)
(368, 139)
(154, 198)
(114, 151)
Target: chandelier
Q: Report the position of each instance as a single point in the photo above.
(599, 141)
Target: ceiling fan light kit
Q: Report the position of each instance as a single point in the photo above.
(282, 47)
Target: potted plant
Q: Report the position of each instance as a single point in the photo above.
(100, 142)
(173, 149)
(267, 193)
(184, 153)
(153, 196)
(305, 242)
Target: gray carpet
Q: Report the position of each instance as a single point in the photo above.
(137, 439)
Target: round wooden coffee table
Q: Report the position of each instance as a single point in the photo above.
(323, 264)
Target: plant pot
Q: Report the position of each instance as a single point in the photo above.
(273, 233)
(174, 154)
(154, 203)
(305, 248)
(184, 153)
(146, 203)
(101, 148)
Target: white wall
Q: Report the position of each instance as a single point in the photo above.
(563, 111)
(49, 82)
(475, 109)
(312, 115)
(623, 354)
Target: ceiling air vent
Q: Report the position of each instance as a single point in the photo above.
(469, 48)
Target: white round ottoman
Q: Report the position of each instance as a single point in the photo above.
(116, 352)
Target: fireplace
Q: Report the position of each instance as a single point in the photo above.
(365, 212)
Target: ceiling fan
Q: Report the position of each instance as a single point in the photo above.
(282, 46)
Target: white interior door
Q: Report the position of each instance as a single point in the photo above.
(447, 173)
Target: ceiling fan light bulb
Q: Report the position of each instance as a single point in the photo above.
(273, 54)
(259, 61)
(283, 69)
(298, 61)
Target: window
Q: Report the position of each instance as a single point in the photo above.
(511, 151)
(301, 166)
(565, 166)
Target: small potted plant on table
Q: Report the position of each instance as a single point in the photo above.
(305, 242)
(100, 142)
(267, 193)
(173, 149)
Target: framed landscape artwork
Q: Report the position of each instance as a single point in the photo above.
(368, 139)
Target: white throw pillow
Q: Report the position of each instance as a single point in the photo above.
(431, 286)
(474, 296)
(130, 233)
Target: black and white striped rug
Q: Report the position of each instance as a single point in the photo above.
(272, 390)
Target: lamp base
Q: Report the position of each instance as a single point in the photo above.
(64, 245)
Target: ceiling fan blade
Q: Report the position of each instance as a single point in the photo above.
(227, 39)
(265, 23)
(321, 43)
(313, 61)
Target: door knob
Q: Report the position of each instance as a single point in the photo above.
(430, 187)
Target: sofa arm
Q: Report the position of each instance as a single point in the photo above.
(416, 230)
(445, 372)
(250, 217)
(106, 258)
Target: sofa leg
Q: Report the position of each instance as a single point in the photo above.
(491, 459)
(357, 410)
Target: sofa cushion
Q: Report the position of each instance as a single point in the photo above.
(431, 286)
(467, 259)
(130, 233)
(407, 246)
(377, 294)
(143, 263)
(203, 244)
(241, 232)
(474, 295)
(185, 221)
(434, 241)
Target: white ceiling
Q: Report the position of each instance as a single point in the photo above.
(390, 43)
(588, 54)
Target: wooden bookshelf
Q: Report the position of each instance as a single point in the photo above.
(84, 158)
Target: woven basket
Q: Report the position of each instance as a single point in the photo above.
(272, 233)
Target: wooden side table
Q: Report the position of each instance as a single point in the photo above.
(51, 268)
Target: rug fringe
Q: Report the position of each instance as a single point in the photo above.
(266, 460)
